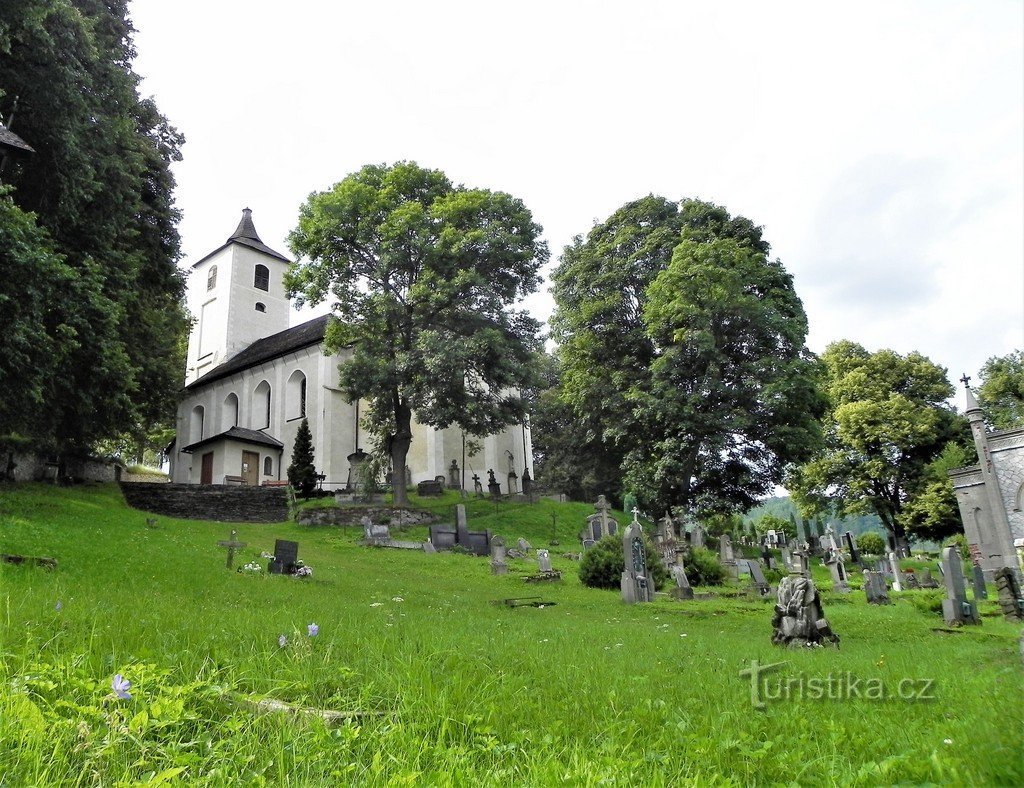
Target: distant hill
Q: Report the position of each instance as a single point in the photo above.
(784, 507)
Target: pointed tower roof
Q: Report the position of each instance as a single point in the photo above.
(246, 235)
(972, 402)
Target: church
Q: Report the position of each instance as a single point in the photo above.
(251, 378)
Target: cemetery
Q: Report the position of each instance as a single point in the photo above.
(139, 654)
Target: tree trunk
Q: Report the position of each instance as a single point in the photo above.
(399, 451)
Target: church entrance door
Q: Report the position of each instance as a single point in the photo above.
(206, 474)
(251, 468)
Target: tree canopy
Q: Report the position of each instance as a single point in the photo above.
(100, 186)
(424, 276)
(888, 420)
(682, 347)
(1001, 394)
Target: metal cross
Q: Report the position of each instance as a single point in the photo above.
(231, 544)
(966, 380)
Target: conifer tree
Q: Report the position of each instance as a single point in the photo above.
(302, 471)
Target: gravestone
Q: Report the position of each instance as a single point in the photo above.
(286, 556)
(513, 483)
(543, 561)
(926, 580)
(910, 580)
(757, 577)
(430, 488)
(834, 562)
(766, 556)
(852, 547)
(478, 486)
(443, 537)
(232, 544)
(477, 542)
(375, 534)
(493, 486)
(588, 543)
(523, 545)
(956, 609)
(802, 563)
(787, 559)
(697, 536)
(897, 575)
(1009, 595)
(527, 482)
(682, 588)
(461, 526)
(599, 524)
(666, 541)
(813, 544)
(799, 619)
(499, 565)
(634, 583)
(875, 588)
(980, 591)
(727, 556)
(454, 476)
(428, 547)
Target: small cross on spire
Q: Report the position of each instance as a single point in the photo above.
(966, 380)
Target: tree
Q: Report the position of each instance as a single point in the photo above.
(302, 471)
(424, 276)
(887, 421)
(871, 543)
(772, 522)
(932, 512)
(683, 354)
(1001, 394)
(100, 184)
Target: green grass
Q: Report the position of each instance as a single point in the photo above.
(587, 691)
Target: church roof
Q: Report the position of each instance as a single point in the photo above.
(246, 235)
(276, 345)
(8, 139)
(239, 434)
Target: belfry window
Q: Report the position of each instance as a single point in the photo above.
(261, 279)
(261, 307)
(211, 278)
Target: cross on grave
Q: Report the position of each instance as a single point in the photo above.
(231, 544)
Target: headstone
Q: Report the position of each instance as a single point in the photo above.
(787, 558)
(635, 583)
(588, 543)
(852, 547)
(799, 619)
(477, 542)
(766, 556)
(980, 591)
(757, 577)
(428, 488)
(513, 483)
(956, 609)
(443, 537)
(727, 556)
(493, 486)
(802, 563)
(543, 561)
(697, 536)
(232, 544)
(375, 534)
(926, 580)
(1009, 594)
(499, 565)
(286, 556)
(428, 547)
(523, 545)
(897, 575)
(478, 486)
(875, 588)
(834, 562)
(813, 544)
(454, 476)
(527, 482)
(461, 526)
(682, 588)
(910, 579)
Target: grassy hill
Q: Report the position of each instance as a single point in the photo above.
(445, 688)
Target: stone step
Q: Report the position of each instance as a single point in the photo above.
(209, 502)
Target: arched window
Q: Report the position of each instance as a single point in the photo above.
(295, 396)
(211, 278)
(261, 280)
(261, 307)
(229, 417)
(261, 406)
(268, 466)
(196, 427)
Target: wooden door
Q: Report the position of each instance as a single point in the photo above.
(251, 468)
(206, 474)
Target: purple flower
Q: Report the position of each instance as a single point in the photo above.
(313, 630)
(282, 641)
(120, 686)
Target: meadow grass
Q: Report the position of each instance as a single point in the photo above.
(452, 689)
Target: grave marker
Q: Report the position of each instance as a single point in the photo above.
(980, 591)
(682, 590)
(897, 575)
(286, 556)
(231, 544)
(499, 565)
(956, 609)
(543, 561)
(875, 588)
(1008, 592)
(634, 583)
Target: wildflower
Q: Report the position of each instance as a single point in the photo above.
(397, 599)
(313, 630)
(58, 606)
(947, 741)
(282, 641)
(266, 555)
(304, 571)
(120, 686)
(376, 604)
(683, 635)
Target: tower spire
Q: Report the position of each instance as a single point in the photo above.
(246, 229)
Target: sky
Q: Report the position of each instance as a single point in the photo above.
(879, 144)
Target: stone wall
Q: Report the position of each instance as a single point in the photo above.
(352, 516)
(209, 502)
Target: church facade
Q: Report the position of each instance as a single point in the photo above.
(990, 495)
(251, 378)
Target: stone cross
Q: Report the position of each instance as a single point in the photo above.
(231, 544)
(478, 487)
(635, 584)
(955, 607)
(636, 513)
(602, 506)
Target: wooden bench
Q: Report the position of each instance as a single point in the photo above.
(234, 480)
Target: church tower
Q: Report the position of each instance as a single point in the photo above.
(236, 296)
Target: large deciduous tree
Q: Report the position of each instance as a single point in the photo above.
(888, 421)
(424, 276)
(683, 351)
(100, 185)
(1001, 394)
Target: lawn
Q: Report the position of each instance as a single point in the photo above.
(444, 687)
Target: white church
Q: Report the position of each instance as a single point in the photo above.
(250, 379)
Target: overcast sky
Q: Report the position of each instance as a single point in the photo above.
(880, 144)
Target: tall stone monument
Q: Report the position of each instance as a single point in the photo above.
(956, 609)
(636, 585)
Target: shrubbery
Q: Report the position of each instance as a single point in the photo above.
(704, 569)
(871, 543)
(603, 564)
(959, 541)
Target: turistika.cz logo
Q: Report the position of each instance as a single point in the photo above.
(766, 686)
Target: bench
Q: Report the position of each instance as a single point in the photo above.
(234, 480)
(275, 483)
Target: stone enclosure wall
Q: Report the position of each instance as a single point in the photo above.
(352, 516)
(209, 502)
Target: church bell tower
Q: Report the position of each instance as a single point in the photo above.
(236, 296)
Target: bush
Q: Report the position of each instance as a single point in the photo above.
(603, 564)
(959, 541)
(871, 543)
(704, 569)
